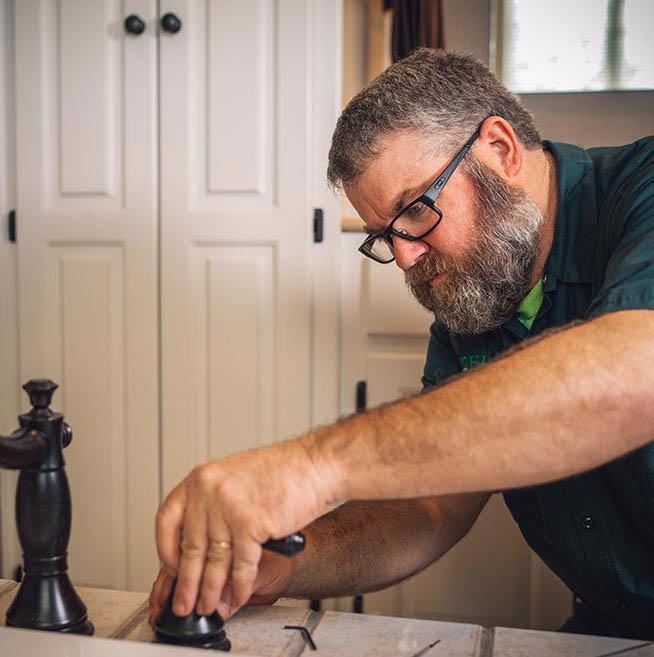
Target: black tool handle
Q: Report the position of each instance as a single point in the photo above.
(288, 546)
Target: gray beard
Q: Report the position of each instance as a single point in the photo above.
(483, 289)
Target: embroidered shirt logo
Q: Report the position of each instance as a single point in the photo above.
(472, 360)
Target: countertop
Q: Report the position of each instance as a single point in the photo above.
(121, 629)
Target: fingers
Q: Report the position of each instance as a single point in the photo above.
(227, 597)
(247, 553)
(210, 529)
(159, 595)
(191, 564)
(225, 604)
(168, 529)
(217, 567)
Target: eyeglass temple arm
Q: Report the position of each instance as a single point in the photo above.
(433, 192)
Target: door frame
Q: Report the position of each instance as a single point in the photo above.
(9, 380)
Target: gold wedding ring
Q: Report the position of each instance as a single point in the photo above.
(218, 551)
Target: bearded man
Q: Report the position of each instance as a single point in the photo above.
(538, 251)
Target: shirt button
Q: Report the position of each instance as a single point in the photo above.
(545, 278)
(620, 604)
(588, 522)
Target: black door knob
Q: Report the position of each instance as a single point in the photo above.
(134, 25)
(171, 23)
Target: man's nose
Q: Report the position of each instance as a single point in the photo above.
(407, 252)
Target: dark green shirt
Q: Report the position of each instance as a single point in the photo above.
(595, 530)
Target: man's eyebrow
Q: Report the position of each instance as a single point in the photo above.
(407, 196)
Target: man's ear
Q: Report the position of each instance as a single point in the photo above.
(499, 148)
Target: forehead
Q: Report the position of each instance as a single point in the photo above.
(405, 163)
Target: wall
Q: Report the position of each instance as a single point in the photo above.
(593, 119)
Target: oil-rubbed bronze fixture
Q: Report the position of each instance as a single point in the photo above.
(46, 598)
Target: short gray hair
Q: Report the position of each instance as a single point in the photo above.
(442, 95)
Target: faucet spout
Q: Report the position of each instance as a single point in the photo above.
(24, 447)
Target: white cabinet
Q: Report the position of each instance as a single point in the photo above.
(167, 275)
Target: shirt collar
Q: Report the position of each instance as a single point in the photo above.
(571, 257)
(528, 309)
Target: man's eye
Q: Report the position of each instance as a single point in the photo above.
(414, 211)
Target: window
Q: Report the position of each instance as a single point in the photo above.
(574, 45)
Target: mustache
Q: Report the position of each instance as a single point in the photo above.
(425, 269)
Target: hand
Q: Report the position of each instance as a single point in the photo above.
(211, 526)
(272, 581)
(161, 588)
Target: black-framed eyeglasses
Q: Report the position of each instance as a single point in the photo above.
(416, 220)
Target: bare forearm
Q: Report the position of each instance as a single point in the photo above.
(366, 546)
(565, 404)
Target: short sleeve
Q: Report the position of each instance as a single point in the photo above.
(628, 230)
(441, 360)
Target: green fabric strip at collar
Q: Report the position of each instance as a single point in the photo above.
(530, 305)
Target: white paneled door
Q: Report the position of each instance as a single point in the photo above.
(168, 277)
(86, 148)
(235, 227)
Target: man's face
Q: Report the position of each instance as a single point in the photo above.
(475, 268)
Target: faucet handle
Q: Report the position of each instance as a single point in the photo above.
(66, 434)
(40, 392)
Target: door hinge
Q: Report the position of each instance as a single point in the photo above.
(318, 215)
(11, 225)
(361, 396)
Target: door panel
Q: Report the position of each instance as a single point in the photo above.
(240, 162)
(234, 295)
(89, 153)
(235, 231)
(86, 187)
(88, 280)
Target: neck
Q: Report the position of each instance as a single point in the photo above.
(545, 194)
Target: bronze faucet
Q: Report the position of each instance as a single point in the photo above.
(46, 598)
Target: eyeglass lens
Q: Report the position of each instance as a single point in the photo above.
(415, 221)
(381, 249)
